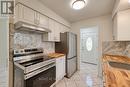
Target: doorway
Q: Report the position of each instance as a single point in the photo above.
(89, 45)
(89, 55)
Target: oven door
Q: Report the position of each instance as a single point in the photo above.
(44, 79)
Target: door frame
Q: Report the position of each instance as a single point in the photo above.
(99, 48)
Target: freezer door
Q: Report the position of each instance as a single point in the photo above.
(71, 45)
(71, 67)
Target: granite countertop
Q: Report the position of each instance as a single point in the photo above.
(56, 55)
(116, 77)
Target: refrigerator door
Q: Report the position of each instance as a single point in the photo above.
(71, 66)
(71, 45)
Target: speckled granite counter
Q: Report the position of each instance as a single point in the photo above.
(115, 77)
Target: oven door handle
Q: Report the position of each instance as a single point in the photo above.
(33, 73)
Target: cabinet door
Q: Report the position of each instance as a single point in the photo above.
(58, 71)
(43, 21)
(64, 66)
(61, 28)
(51, 27)
(24, 14)
(29, 15)
(67, 29)
(123, 25)
(60, 68)
(51, 35)
(57, 32)
(17, 12)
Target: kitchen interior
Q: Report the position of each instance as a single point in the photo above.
(66, 43)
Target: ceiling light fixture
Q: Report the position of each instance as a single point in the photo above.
(78, 4)
(129, 1)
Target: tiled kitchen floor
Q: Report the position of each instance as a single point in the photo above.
(86, 77)
(3, 77)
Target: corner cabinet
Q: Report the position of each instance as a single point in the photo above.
(28, 15)
(54, 35)
(60, 68)
(56, 29)
(43, 21)
(121, 25)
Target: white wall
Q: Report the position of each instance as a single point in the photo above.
(39, 6)
(105, 27)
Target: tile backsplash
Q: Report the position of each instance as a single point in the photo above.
(117, 48)
(25, 39)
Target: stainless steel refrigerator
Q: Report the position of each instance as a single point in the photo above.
(68, 46)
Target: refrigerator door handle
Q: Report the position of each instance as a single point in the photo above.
(71, 58)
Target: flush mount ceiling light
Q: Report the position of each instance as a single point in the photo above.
(129, 1)
(78, 4)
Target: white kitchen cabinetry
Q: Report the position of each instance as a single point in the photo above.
(50, 36)
(64, 29)
(56, 29)
(121, 25)
(28, 15)
(57, 32)
(24, 14)
(43, 21)
(54, 35)
(60, 68)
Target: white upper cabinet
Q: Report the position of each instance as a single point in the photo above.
(25, 14)
(120, 5)
(50, 36)
(67, 29)
(57, 31)
(121, 25)
(28, 15)
(63, 28)
(43, 21)
(54, 35)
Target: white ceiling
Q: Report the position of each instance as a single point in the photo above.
(94, 8)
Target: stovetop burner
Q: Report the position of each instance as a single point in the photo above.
(38, 60)
(28, 57)
(32, 62)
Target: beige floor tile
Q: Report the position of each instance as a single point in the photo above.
(80, 78)
(80, 84)
(61, 83)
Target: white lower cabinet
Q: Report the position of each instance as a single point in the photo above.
(60, 68)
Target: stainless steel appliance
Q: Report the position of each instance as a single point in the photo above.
(33, 69)
(68, 46)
